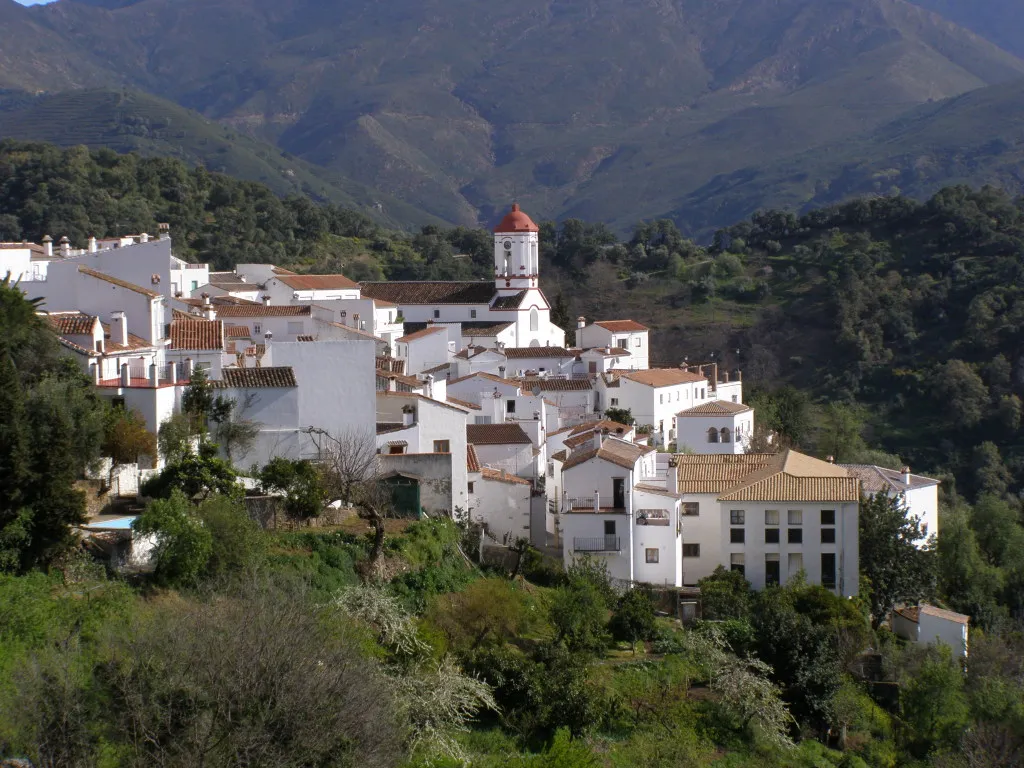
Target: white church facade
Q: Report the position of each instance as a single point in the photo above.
(512, 308)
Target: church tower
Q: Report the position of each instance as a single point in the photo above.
(516, 252)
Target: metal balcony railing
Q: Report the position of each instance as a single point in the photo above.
(596, 544)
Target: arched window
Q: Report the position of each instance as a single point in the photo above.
(725, 435)
(712, 435)
(534, 319)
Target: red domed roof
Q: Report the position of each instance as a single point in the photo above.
(516, 221)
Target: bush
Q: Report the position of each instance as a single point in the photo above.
(633, 618)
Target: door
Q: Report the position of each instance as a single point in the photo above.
(610, 539)
(619, 493)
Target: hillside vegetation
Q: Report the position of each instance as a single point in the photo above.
(603, 110)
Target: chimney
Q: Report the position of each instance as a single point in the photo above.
(209, 313)
(96, 372)
(581, 323)
(143, 238)
(165, 230)
(189, 368)
(265, 298)
(392, 384)
(65, 247)
(48, 246)
(430, 385)
(92, 245)
(119, 328)
(598, 439)
(501, 371)
(408, 415)
(906, 475)
(830, 459)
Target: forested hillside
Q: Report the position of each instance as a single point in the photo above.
(603, 110)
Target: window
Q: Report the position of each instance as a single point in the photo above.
(622, 343)
(828, 535)
(437, 313)
(771, 517)
(472, 313)
(737, 535)
(828, 570)
(295, 328)
(726, 438)
(652, 554)
(691, 550)
(771, 569)
(691, 509)
(638, 342)
(534, 320)
(795, 565)
(795, 535)
(828, 517)
(195, 284)
(510, 406)
(796, 517)
(703, 393)
(396, 450)
(661, 399)
(483, 420)
(771, 535)
(257, 329)
(737, 517)
(469, 486)
(609, 527)
(737, 562)
(735, 399)
(712, 435)
(442, 446)
(615, 402)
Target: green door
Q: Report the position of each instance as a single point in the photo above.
(405, 495)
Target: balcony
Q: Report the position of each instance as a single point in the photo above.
(596, 544)
(653, 517)
(143, 376)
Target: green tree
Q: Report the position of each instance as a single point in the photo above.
(300, 482)
(620, 416)
(633, 617)
(237, 544)
(725, 594)
(960, 392)
(197, 401)
(966, 580)
(933, 703)
(125, 438)
(997, 526)
(895, 567)
(579, 616)
(197, 475)
(840, 432)
(183, 544)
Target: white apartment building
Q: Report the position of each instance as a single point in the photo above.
(627, 335)
(655, 396)
(769, 516)
(919, 494)
(717, 426)
(614, 508)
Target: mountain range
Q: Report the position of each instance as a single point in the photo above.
(608, 110)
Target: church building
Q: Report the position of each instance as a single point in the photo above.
(512, 309)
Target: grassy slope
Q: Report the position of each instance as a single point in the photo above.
(130, 121)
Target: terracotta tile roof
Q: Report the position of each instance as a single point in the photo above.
(605, 425)
(472, 460)
(229, 281)
(264, 310)
(516, 220)
(282, 271)
(220, 301)
(71, 323)
(437, 368)
(785, 487)
(431, 292)
(470, 352)
(914, 613)
(618, 452)
(317, 282)
(556, 385)
(77, 347)
(256, 378)
(497, 434)
(608, 351)
(663, 377)
(384, 427)
(514, 353)
(560, 455)
(715, 408)
(464, 403)
(383, 304)
(621, 326)
(118, 282)
(508, 302)
(134, 342)
(793, 476)
(716, 473)
(401, 378)
(197, 334)
(428, 331)
(875, 479)
(502, 477)
(393, 364)
(657, 490)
